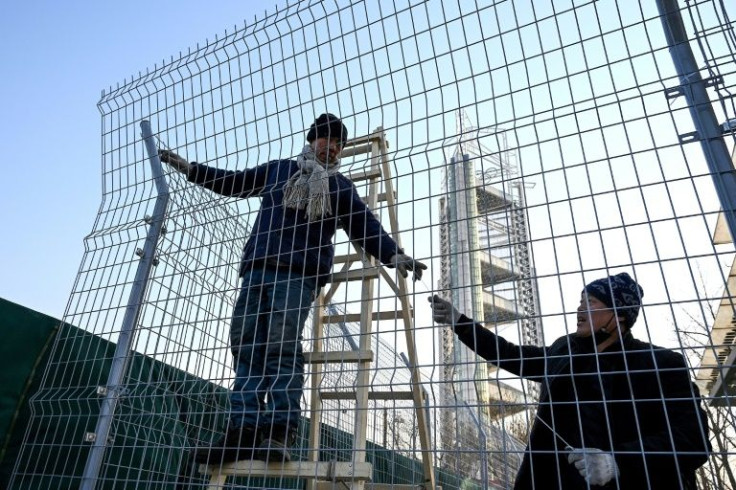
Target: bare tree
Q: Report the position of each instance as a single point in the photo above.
(720, 412)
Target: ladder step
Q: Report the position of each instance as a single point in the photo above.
(359, 176)
(319, 470)
(360, 149)
(338, 356)
(341, 259)
(355, 317)
(361, 140)
(354, 275)
(372, 395)
(381, 197)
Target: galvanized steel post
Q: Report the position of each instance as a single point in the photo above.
(693, 88)
(130, 321)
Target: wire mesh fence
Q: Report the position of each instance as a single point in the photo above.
(521, 150)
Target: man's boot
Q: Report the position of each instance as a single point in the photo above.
(238, 443)
(276, 443)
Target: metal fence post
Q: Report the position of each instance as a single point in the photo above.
(693, 87)
(123, 348)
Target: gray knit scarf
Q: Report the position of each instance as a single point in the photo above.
(309, 187)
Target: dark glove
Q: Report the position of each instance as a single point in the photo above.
(170, 157)
(404, 263)
(443, 312)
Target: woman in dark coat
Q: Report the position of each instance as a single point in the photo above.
(614, 412)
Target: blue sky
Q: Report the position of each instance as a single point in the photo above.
(64, 56)
(56, 59)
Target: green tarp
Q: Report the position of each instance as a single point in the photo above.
(159, 418)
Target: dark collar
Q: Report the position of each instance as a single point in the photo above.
(586, 345)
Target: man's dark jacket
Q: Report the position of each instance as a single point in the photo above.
(651, 420)
(284, 236)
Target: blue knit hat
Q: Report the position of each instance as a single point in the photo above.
(619, 291)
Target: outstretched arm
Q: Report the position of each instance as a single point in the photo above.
(225, 182)
(526, 361)
(175, 161)
(362, 226)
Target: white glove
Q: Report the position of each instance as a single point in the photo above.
(404, 263)
(443, 312)
(168, 156)
(597, 467)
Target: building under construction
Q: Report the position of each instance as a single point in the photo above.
(488, 272)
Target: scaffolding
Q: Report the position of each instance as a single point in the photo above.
(488, 271)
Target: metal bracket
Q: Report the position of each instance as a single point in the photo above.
(149, 221)
(729, 126)
(117, 393)
(90, 437)
(674, 92)
(713, 81)
(689, 137)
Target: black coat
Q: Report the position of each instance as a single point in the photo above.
(285, 235)
(634, 399)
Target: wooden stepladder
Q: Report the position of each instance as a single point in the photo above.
(380, 188)
(357, 473)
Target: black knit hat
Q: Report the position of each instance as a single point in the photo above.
(328, 126)
(619, 291)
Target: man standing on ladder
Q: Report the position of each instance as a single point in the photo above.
(286, 260)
